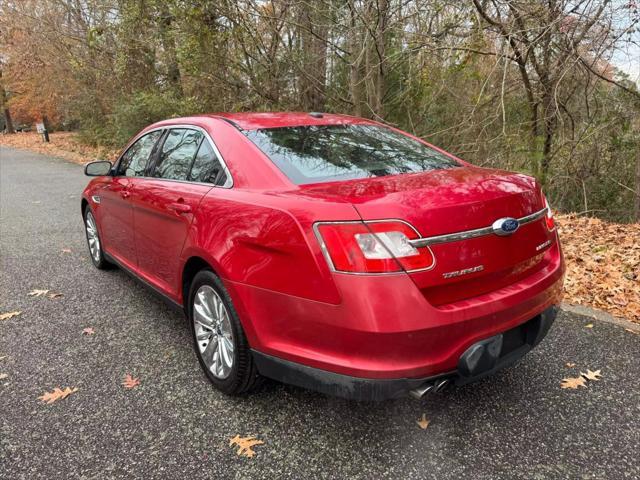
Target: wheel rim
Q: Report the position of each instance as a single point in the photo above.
(92, 237)
(214, 336)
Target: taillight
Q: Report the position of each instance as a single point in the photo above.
(551, 224)
(372, 247)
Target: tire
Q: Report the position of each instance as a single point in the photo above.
(98, 259)
(224, 328)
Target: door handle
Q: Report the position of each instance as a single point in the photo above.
(125, 194)
(179, 207)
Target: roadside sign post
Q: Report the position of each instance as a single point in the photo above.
(43, 131)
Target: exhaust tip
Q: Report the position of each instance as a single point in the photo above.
(421, 391)
(441, 384)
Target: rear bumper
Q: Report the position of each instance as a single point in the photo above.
(384, 327)
(481, 359)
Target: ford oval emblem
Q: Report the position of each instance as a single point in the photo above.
(505, 226)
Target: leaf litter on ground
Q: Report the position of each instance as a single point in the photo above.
(130, 382)
(423, 422)
(573, 382)
(8, 315)
(591, 375)
(44, 293)
(245, 445)
(603, 264)
(38, 293)
(57, 394)
(581, 381)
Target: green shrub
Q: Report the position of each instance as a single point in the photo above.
(130, 114)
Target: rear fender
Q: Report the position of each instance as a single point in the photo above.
(252, 238)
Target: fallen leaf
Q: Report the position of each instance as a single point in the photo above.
(602, 261)
(88, 331)
(3, 357)
(3, 376)
(245, 445)
(589, 325)
(54, 295)
(573, 383)
(423, 423)
(37, 293)
(130, 382)
(66, 250)
(57, 394)
(36, 202)
(591, 375)
(66, 145)
(570, 364)
(8, 315)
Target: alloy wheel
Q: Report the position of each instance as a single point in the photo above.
(214, 335)
(92, 237)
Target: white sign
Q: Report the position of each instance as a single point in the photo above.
(40, 127)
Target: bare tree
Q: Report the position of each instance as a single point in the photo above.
(547, 42)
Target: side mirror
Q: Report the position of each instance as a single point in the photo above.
(98, 168)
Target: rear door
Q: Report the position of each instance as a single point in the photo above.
(117, 228)
(186, 168)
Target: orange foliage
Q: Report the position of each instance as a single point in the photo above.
(31, 75)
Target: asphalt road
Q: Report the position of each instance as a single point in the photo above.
(518, 424)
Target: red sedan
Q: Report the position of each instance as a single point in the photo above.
(328, 251)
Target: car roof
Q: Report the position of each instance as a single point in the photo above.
(257, 120)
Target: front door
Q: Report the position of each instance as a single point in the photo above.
(116, 222)
(117, 219)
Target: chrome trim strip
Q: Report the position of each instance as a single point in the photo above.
(227, 184)
(468, 234)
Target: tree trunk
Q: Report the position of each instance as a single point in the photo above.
(550, 124)
(375, 62)
(355, 62)
(8, 122)
(169, 46)
(313, 44)
(380, 47)
(7, 115)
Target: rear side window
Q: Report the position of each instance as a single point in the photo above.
(207, 167)
(177, 154)
(325, 153)
(134, 161)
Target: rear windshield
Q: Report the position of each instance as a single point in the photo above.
(325, 153)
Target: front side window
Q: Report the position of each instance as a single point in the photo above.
(207, 167)
(177, 154)
(326, 153)
(134, 161)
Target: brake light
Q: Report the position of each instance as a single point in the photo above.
(372, 247)
(551, 224)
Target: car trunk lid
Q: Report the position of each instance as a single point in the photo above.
(454, 201)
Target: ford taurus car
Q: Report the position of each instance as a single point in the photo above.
(330, 252)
